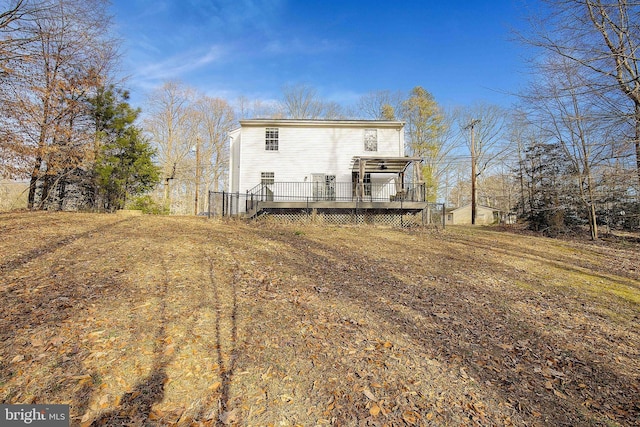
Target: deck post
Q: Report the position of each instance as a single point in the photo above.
(361, 164)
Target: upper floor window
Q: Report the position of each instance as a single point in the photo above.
(271, 139)
(371, 140)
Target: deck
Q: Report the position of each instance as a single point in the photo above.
(336, 199)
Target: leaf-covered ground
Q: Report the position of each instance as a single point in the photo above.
(187, 321)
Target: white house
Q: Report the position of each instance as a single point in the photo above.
(286, 160)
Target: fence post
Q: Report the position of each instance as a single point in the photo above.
(443, 216)
(224, 204)
(209, 205)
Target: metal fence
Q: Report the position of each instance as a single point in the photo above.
(337, 191)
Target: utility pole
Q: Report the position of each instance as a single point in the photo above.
(473, 170)
(195, 208)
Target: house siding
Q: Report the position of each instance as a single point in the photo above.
(306, 148)
(462, 215)
(234, 160)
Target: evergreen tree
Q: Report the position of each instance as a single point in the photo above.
(553, 204)
(124, 158)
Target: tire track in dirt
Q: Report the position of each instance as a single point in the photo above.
(15, 263)
(314, 257)
(570, 263)
(136, 406)
(221, 397)
(359, 280)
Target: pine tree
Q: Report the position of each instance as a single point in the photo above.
(124, 158)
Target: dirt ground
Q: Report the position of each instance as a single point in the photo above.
(188, 321)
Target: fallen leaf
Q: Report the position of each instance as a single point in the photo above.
(463, 373)
(228, 417)
(19, 358)
(560, 394)
(375, 410)
(556, 373)
(370, 395)
(409, 417)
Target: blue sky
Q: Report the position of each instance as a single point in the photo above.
(460, 51)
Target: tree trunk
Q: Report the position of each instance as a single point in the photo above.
(33, 183)
(62, 192)
(46, 186)
(637, 141)
(593, 223)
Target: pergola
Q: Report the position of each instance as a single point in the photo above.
(362, 165)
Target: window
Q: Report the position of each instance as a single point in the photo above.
(267, 178)
(367, 184)
(371, 140)
(271, 139)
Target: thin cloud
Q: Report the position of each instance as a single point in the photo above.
(297, 46)
(177, 66)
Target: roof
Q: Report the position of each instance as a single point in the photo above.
(469, 205)
(322, 123)
(382, 164)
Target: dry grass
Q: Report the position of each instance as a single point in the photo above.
(184, 321)
(13, 194)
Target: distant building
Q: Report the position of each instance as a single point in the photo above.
(462, 215)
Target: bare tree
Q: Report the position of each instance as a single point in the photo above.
(257, 108)
(301, 102)
(482, 127)
(190, 131)
(571, 118)
(13, 14)
(380, 105)
(603, 38)
(171, 124)
(64, 54)
(217, 119)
